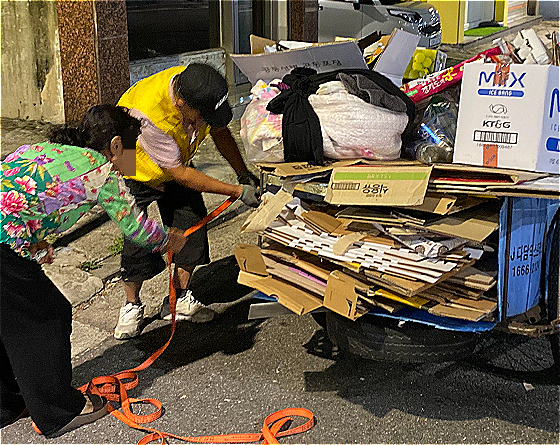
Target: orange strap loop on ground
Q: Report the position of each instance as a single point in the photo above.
(114, 387)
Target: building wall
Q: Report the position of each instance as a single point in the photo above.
(59, 58)
(452, 15)
(78, 57)
(31, 80)
(303, 20)
(280, 29)
(516, 11)
(500, 11)
(94, 53)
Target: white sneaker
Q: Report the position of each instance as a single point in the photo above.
(188, 308)
(130, 321)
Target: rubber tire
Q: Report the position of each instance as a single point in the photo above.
(379, 338)
(553, 288)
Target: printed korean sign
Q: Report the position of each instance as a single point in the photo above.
(378, 185)
(322, 58)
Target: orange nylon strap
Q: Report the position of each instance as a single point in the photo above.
(114, 387)
(270, 431)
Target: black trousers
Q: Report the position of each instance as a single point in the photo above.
(35, 327)
(179, 207)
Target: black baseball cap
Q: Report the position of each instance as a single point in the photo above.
(203, 88)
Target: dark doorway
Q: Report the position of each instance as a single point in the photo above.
(166, 27)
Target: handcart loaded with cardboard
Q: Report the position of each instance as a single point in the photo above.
(399, 259)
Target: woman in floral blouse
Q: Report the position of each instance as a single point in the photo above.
(46, 188)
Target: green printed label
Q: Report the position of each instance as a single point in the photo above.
(380, 176)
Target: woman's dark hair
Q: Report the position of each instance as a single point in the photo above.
(98, 127)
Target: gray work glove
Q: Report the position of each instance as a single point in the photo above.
(250, 195)
(248, 178)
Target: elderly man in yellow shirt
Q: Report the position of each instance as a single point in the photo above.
(178, 108)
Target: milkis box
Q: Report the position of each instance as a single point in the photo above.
(389, 183)
(509, 117)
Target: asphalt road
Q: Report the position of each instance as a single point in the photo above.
(228, 375)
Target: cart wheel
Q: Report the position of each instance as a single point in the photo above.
(383, 339)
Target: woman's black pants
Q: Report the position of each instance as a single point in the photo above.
(35, 327)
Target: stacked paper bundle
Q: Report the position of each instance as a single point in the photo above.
(319, 257)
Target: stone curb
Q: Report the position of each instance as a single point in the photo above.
(490, 38)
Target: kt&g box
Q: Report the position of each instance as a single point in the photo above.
(509, 117)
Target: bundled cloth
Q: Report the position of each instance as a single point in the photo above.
(261, 130)
(342, 125)
(358, 122)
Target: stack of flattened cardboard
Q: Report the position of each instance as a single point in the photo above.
(351, 259)
(458, 178)
(366, 183)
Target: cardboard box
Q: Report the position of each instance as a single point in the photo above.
(509, 117)
(394, 59)
(454, 174)
(262, 45)
(341, 297)
(548, 188)
(287, 169)
(388, 184)
(438, 203)
(253, 273)
(340, 292)
(326, 57)
(473, 224)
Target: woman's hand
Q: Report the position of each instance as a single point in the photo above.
(42, 252)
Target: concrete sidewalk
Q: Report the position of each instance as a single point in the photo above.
(474, 45)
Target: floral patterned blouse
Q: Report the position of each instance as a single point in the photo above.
(45, 188)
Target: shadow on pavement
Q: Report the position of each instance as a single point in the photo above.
(229, 333)
(451, 391)
(517, 358)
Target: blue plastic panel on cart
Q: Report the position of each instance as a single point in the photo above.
(550, 248)
(424, 317)
(421, 316)
(531, 218)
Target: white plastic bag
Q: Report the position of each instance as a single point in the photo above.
(261, 130)
(353, 128)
